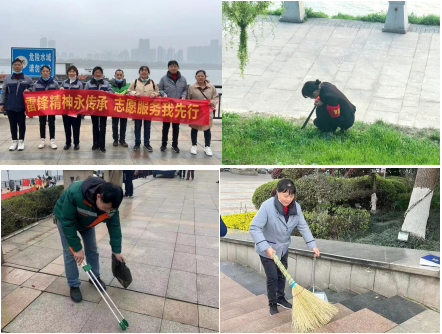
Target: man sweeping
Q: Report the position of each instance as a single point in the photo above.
(79, 209)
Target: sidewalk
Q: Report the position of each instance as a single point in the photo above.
(171, 245)
(119, 155)
(392, 77)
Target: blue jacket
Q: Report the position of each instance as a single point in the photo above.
(171, 88)
(12, 92)
(42, 85)
(77, 84)
(269, 227)
(100, 85)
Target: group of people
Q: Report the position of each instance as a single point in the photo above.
(173, 85)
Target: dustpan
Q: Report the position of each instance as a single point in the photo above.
(320, 294)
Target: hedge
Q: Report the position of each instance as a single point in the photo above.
(239, 221)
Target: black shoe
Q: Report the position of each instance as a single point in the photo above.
(284, 303)
(103, 150)
(66, 147)
(123, 143)
(76, 295)
(148, 148)
(77, 147)
(95, 147)
(99, 281)
(176, 149)
(136, 147)
(115, 143)
(163, 148)
(273, 309)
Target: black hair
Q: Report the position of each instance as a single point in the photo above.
(45, 66)
(72, 68)
(144, 67)
(283, 186)
(97, 68)
(119, 70)
(201, 71)
(111, 193)
(309, 87)
(17, 60)
(173, 62)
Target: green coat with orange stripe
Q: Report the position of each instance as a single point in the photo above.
(77, 211)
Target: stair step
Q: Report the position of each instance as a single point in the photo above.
(232, 313)
(339, 297)
(247, 304)
(231, 325)
(266, 322)
(363, 300)
(234, 294)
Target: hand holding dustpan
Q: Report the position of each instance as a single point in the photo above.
(121, 272)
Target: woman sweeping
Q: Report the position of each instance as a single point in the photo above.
(271, 229)
(333, 109)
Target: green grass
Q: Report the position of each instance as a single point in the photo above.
(275, 140)
(310, 13)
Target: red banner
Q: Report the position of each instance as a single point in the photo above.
(38, 182)
(99, 103)
(26, 182)
(15, 193)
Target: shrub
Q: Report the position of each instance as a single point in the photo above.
(310, 13)
(36, 204)
(239, 221)
(263, 193)
(277, 173)
(296, 173)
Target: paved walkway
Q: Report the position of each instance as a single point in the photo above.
(392, 77)
(171, 245)
(119, 155)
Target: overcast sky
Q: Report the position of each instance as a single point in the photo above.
(24, 174)
(83, 27)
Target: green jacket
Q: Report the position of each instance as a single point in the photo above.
(122, 90)
(77, 211)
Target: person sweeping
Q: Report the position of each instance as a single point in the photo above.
(333, 109)
(271, 229)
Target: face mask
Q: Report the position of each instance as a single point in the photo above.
(97, 79)
(145, 80)
(17, 72)
(118, 80)
(46, 79)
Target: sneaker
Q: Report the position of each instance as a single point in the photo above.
(95, 147)
(123, 143)
(148, 148)
(53, 145)
(77, 147)
(208, 151)
(76, 295)
(284, 303)
(103, 150)
(115, 143)
(14, 145)
(163, 148)
(136, 147)
(194, 149)
(273, 309)
(176, 149)
(21, 145)
(66, 147)
(101, 283)
(131, 196)
(42, 143)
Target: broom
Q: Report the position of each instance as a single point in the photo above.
(308, 311)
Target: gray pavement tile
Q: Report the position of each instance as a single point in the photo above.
(425, 322)
(207, 252)
(134, 223)
(365, 300)
(103, 321)
(208, 317)
(161, 236)
(184, 262)
(165, 215)
(60, 287)
(39, 281)
(29, 237)
(18, 276)
(185, 239)
(182, 312)
(105, 250)
(182, 286)
(208, 290)
(205, 330)
(207, 265)
(397, 309)
(132, 232)
(152, 256)
(171, 227)
(105, 271)
(207, 242)
(15, 302)
(53, 269)
(207, 231)
(168, 326)
(60, 319)
(187, 229)
(185, 249)
(156, 244)
(35, 257)
(6, 270)
(53, 241)
(7, 288)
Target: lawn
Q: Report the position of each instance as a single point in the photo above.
(263, 140)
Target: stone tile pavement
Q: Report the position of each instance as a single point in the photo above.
(392, 77)
(171, 245)
(119, 155)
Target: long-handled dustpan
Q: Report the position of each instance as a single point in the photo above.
(321, 294)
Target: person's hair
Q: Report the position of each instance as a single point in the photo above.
(201, 71)
(97, 68)
(173, 62)
(72, 68)
(110, 193)
(144, 67)
(119, 70)
(309, 87)
(17, 60)
(283, 186)
(45, 66)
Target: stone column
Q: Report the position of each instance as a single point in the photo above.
(397, 18)
(70, 176)
(114, 176)
(294, 11)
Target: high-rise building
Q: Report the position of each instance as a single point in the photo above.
(170, 54)
(205, 54)
(43, 42)
(215, 52)
(153, 55)
(134, 55)
(51, 43)
(90, 56)
(161, 55)
(144, 47)
(180, 56)
(124, 55)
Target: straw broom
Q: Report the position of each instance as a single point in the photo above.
(308, 312)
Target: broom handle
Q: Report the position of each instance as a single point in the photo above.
(284, 270)
(314, 273)
(308, 118)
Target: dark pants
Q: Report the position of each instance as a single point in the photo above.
(128, 184)
(43, 120)
(138, 124)
(190, 173)
(123, 124)
(207, 136)
(182, 174)
(175, 133)
(327, 124)
(99, 130)
(72, 127)
(17, 119)
(275, 278)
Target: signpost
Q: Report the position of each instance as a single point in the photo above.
(33, 59)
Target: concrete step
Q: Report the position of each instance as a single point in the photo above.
(339, 297)
(234, 294)
(266, 322)
(248, 304)
(231, 325)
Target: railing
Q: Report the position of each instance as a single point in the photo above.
(219, 116)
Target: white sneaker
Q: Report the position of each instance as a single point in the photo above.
(42, 143)
(14, 145)
(21, 145)
(208, 150)
(194, 149)
(53, 145)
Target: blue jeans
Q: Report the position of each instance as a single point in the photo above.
(90, 250)
(138, 123)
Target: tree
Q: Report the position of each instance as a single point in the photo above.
(418, 210)
(237, 17)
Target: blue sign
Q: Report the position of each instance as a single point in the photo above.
(33, 59)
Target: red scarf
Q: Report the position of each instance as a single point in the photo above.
(174, 76)
(286, 209)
